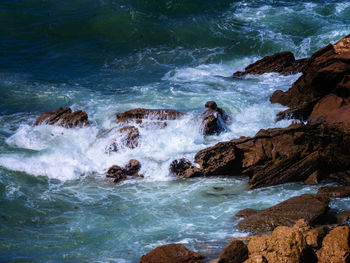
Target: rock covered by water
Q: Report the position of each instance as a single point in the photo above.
(214, 119)
(64, 117)
(171, 253)
(283, 63)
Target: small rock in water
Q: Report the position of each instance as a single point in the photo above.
(119, 174)
(214, 119)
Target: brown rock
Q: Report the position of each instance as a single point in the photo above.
(313, 179)
(315, 236)
(133, 168)
(117, 173)
(334, 191)
(140, 114)
(284, 245)
(172, 253)
(214, 119)
(309, 207)
(235, 252)
(335, 246)
(343, 218)
(326, 72)
(130, 136)
(340, 118)
(64, 117)
(246, 212)
(326, 105)
(283, 63)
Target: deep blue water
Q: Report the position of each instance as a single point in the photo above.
(106, 56)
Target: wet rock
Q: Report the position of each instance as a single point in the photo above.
(119, 174)
(326, 73)
(315, 236)
(283, 63)
(309, 207)
(130, 136)
(133, 168)
(285, 244)
(214, 119)
(155, 117)
(314, 178)
(334, 191)
(235, 252)
(343, 218)
(64, 117)
(172, 253)
(335, 246)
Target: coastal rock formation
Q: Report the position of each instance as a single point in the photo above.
(308, 206)
(156, 117)
(284, 245)
(214, 119)
(335, 246)
(127, 136)
(275, 156)
(323, 87)
(64, 117)
(283, 63)
(334, 191)
(120, 174)
(172, 253)
(235, 252)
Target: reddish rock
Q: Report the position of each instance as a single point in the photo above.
(334, 191)
(214, 119)
(235, 252)
(326, 72)
(119, 174)
(314, 178)
(309, 207)
(172, 253)
(64, 117)
(283, 63)
(335, 246)
(284, 245)
(140, 114)
(326, 105)
(340, 119)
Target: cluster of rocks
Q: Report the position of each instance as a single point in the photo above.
(307, 152)
(119, 174)
(301, 229)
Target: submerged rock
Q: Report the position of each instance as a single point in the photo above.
(308, 206)
(156, 117)
(172, 253)
(283, 63)
(64, 117)
(323, 87)
(120, 174)
(214, 119)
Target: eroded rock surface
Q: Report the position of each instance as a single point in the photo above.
(283, 63)
(172, 253)
(308, 206)
(64, 117)
(235, 252)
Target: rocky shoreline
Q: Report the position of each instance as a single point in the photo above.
(314, 149)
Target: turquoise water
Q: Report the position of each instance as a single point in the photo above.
(110, 56)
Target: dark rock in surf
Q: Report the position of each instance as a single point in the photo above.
(214, 119)
(64, 117)
(171, 253)
(148, 116)
(120, 174)
(310, 207)
(283, 63)
(235, 252)
(127, 136)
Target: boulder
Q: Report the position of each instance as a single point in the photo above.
(284, 245)
(172, 253)
(283, 63)
(335, 246)
(127, 136)
(326, 73)
(183, 168)
(235, 252)
(156, 117)
(315, 236)
(119, 174)
(64, 117)
(308, 206)
(214, 119)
